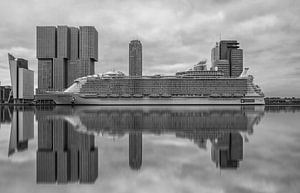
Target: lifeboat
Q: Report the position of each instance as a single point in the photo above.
(138, 96)
(126, 96)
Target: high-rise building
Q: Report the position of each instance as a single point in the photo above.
(74, 43)
(62, 42)
(88, 43)
(45, 72)
(228, 50)
(22, 79)
(64, 54)
(215, 55)
(223, 65)
(46, 42)
(236, 62)
(135, 58)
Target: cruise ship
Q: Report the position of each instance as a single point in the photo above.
(194, 86)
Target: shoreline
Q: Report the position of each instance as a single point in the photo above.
(266, 105)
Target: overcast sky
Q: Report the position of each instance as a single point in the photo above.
(175, 34)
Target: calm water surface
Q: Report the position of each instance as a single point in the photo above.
(150, 149)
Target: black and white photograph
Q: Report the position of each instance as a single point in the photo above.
(157, 96)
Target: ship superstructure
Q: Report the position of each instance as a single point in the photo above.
(196, 85)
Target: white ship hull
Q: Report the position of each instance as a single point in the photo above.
(75, 99)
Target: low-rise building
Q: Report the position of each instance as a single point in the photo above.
(4, 94)
(22, 80)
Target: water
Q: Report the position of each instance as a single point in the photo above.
(150, 149)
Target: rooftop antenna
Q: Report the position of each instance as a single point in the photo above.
(220, 36)
(113, 68)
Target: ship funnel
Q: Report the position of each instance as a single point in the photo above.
(245, 71)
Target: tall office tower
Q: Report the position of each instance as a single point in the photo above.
(236, 62)
(135, 58)
(74, 43)
(65, 155)
(223, 65)
(74, 55)
(64, 54)
(88, 53)
(22, 79)
(88, 43)
(135, 150)
(228, 50)
(215, 55)
(63, 42)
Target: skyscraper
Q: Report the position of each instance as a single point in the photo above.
(64, 54)
(236, 62)
(215, 55)
(223, 65)
(228, 50)
(135, 58)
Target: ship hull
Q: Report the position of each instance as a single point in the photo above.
(74, 99)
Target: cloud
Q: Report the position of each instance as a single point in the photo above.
(172, 32)
(172, 164)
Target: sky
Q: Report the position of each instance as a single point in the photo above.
(175, 34)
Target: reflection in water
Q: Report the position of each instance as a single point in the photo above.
(66, 136)
(65, 155)
(5, 114)
(222, 127)
(135, 150)
(227, 151)
(273, 109)
(21, 129)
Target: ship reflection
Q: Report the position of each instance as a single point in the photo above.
(222, 127)
(66, 136)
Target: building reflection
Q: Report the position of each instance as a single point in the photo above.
(22, 129)
(227, 151)
(66, 136)
(221, 127)
(5, 114)
(226, 145)
(135, 150)
(65, 155)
